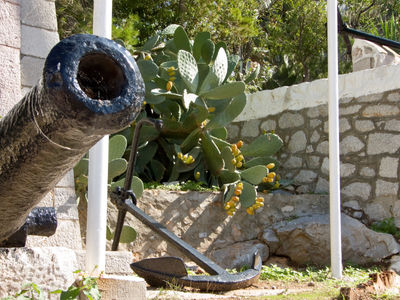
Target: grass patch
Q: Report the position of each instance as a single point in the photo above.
(182, 186)
(387, 226)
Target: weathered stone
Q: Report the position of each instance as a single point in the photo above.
(313, 161)
(30, 37)
(122, 287)
(303, 189)
(306, 176)
(239, 255)
(325, 166)
(347, 170)
(306, 240)
(322, 186)
(371, 98)
(379, 143)
(39, 13)
(357, 189)
(393, 125)
(268, 125)
(269, 237)
(297, 142)
(323, 147)
(233, 131)
(393, 97)
(67, 181)
(309, 149)
(367, 172)
(64, 196)
(10, 25)
(250, 128)
(380, 110)
(318, 112)
(315, 137)
(376, 212)
(352, 204)
(344, 125)
(315, 122)
(385, 188)
(31, 68)
(364, 125)
(395, 263)
(49, 268)
(388, 167)
(48, 200)
(349, 110)
(350, 144)
(293, 162)
(289, 120)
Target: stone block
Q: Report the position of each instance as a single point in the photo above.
(347, 170)
(364, 125)
(318, 112)
(67, 181)
(64, 196)
(385, 188)
(349, 110)
(48, 200)
(293, 162)
(306, 176)
(10, 33)
(233, 131)
(350, 144)
(49, 268)
(10, 79)
(379, 143)
(39, 13)
(325, 166)
(298, 142)
(380, 110)
(367, 172)
(357, 190)
(290, 120)
(315, 123)
(114, 287)
(393, 97)
(250, 128)
(30, 37)
(268, 125)
(67, 212)
(393, 125)
(323, 147)
(388, 167)
(322, 186)
(67, 235)
(31, 70)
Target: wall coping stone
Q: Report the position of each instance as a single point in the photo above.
(315, 93)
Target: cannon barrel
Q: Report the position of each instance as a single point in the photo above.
(90, 87)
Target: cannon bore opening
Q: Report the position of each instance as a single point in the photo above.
(100, 77)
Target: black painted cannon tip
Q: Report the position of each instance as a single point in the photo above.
(100, 75)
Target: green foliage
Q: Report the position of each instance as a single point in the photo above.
(387, 226)
(194, 96)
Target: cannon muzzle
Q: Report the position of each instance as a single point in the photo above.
(90, 87)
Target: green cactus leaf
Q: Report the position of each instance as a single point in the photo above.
(220, 67)
(253, 75)
(220, 143)
(181, 167)
(148, 69)
(200, 168)
(198, 43)
(218, 46)
(165, 93)
(204, 69)
(147, 134)
(264, 145)
(116, 167)
(145, 155)
(136, 186)
(233, 61)
(191, 141)
(109, 234)
(158, 169)
(189, 98)
(226, 116)
(229, 192)
(117, 147)
(207, 50)
(81, 167)
(228, 156)
(168, 64)
(151, 42)
(260, 161)
(175, 130)
(212, 154)
(170, 49)
(149, 97)
(170, 29)
(229, 176)
(228, 90)
(210, 82)
(220, 133)
(255, 174)
(248, 196)
(188, 70)
(181, 40)
(169, 109)
(196, 115)
(128, 234)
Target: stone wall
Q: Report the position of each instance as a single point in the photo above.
(369, 137)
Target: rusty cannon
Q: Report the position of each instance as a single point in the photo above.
(90, 87)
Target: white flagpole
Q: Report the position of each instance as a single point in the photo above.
(334, 158)
(98, 168)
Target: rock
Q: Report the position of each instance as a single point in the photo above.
(279, 261)
(269, 237)
(240, 254)
(306, 240)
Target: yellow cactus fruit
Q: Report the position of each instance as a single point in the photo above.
(259, 199)
(185, 157)
(234, 148)
(239, 185)
(180, 155)
(265, 179)
(227, 206)
(144, 102)
(270, 180)
(271, 166)
(233, 161)
(172, 73)
(239, 164)
(147, 57)
(271, 175)
(170, 69)
(197, 176)
(277, 184)
(235, 199)
(239, 144)
(172, 78)
(211, 109)
(240, 157)
(250, 210)
(238, 192)
(256, 206)
(230, 212)
(261, 204)
(265, 191)
(236, 152)
(169, 85)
